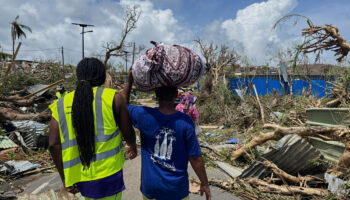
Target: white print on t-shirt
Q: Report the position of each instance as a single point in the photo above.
(164, 150)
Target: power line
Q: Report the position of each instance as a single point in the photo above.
(72, 50)
(52, 49)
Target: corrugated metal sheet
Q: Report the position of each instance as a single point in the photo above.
(328, 116)
(31, 131)
(331, 150)
(16, 167)
(6, 143)
(291, 154)
(37, 87)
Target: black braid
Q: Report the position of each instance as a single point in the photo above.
(90, 73)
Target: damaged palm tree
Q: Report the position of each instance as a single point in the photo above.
(318, 38)
(325, 37)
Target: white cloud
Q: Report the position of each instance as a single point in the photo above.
(252, 27)
(51, 25)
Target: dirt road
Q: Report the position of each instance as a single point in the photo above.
(35, 185)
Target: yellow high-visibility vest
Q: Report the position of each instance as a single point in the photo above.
(109, 155)
(59, 95)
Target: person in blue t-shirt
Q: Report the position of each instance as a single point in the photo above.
(168, 142)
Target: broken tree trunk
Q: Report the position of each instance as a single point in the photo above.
(20, 101)
(12, 63)
(109, 81)
(260, 106)
(10, 114)
(290, 178)
(334, 103)
(330, 133)
(272, 188)
(343, 165)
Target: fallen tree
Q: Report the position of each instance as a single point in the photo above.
(290, 178)
(10, 114)
(287, 190)
(17, 100)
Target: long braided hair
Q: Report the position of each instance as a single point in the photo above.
(90, 73)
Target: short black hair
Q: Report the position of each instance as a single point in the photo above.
(166, 93)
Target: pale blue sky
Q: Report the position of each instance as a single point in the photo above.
(242, 24)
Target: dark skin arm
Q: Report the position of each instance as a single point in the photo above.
(197, 164)
(127, 89)
(125, 126)
(55, 147)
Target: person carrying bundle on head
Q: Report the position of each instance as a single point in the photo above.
(168, 139)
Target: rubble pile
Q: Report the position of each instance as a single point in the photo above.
(24, 118)
(300, 150)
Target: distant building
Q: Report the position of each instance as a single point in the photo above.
(300, 70)
(5, 56)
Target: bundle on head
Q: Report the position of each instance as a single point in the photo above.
(166, 65)
(90, 73)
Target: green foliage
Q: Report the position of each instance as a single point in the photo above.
(18, 82)
(345, 78)
(70, 83)
(46, 73)
(214, 109)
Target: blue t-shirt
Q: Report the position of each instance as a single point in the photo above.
(166, 143)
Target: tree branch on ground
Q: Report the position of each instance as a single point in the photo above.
(272, 188)
(10, 114)
(339, 133)
(17, 100)
(290, 178)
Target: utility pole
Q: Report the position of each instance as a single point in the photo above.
(126, 65)
(62, 52)
(82, 33)
(133, 52)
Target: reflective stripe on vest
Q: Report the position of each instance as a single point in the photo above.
(100, 137)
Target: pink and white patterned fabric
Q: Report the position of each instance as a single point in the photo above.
(166, 65)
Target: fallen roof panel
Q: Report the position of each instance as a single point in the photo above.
(291, 154)
(6, 143)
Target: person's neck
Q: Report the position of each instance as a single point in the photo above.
(167, 107)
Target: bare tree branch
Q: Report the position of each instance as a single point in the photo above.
(132, 15)
(217, 59)
(326, 37)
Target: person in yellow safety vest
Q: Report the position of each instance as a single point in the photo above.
(86, 131)
(61, 91)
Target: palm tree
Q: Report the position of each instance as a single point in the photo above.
(17, 31)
